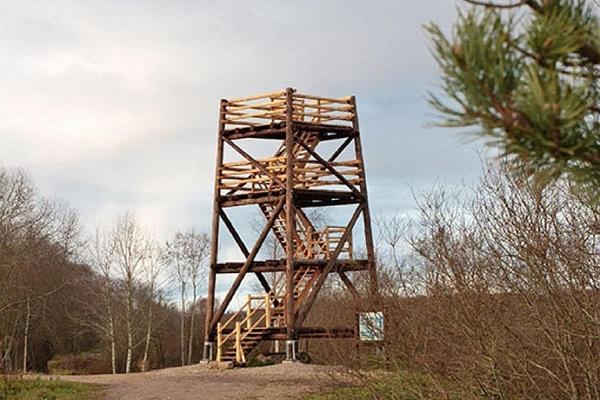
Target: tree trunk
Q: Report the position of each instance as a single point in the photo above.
(149, 331)
(182, 325)
(129, 329)
(191, 339)
(111, 329)
(26, 336)
(113, 348)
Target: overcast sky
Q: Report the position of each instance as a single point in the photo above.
(113, 105)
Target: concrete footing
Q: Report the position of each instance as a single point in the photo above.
(291, 351)
(208, 354)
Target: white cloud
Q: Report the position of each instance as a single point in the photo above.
(113, 104)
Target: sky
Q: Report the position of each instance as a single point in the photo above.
(113, 105)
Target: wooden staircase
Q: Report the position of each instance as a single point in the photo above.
(230, 352)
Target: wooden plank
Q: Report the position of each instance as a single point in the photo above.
(256, 115)
(258, 96)
(325, 106)
(346, 99)
(243, 123)
(258, 106)
(244, 200)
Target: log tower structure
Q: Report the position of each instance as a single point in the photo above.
(284, 187)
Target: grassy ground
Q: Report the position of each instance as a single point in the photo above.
(38, 389)
(396, 386)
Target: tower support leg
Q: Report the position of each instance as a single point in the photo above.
(290, 317)
(214, 245)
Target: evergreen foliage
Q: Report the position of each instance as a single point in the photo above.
(526, 74)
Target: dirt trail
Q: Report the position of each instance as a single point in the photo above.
(283, 381)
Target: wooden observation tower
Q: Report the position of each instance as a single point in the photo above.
(318, 162)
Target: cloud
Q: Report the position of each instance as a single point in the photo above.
(113, 105)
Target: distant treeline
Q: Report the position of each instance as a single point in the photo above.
(96, 302)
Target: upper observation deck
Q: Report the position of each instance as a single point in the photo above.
(266, 115)
(299, 122)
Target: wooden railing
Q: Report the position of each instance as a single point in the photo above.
(244, 177)
(272, 107)
(256, 312)
(333, 236)
(311, 173)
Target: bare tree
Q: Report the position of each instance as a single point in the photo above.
(187, 253)
(32, 232)
(176, 258)
(393, 232)
(131, 249)
(196, 253)
(26, 334)
(152, 269)
(101, 258)
(511, 291)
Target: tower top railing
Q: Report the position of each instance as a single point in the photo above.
(272, 108)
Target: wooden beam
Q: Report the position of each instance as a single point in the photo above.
(290, 220)
(257, 96)
(261, 278)
(250, 199)
(366, 213)
(313, 333)
(279, 266)
(214, 235)
(304, 310)
(238, 280)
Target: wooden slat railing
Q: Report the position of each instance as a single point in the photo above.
(268, 108)
(256, 312)
(243, 177)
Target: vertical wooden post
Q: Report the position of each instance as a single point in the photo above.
(319, 111)
(214, 244)
(267, 310)
(238, 342)
(248, 311)
(327, 241)
(350, 248)
(290, 213)
(219, 342)
(366, 213)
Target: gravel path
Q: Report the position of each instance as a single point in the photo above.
(282, 381)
